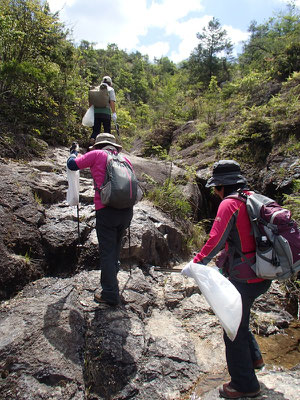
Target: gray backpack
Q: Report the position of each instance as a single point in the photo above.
(120, 188)
(277, 237)
(99, 96)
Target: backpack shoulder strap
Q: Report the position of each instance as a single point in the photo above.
(239, 195)
(109, 155)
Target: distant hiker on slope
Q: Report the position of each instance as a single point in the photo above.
(232, 227)
(111, 222)
(103, 99)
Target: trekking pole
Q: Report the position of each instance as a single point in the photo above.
(167, 270)
(129, 252)
(78, 229)
(130, 269)
(79, 245)
(117, 129)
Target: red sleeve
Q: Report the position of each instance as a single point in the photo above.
(223, 223)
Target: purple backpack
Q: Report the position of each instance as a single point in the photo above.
(277, 237)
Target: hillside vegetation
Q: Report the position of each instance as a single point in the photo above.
(246, 108)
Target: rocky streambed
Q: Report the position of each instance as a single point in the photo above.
(163, 342)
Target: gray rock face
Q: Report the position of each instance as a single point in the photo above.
(57, 343)
(162, 343)
(39, 231)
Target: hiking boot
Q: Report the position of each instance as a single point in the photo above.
(99, 299)
(258, 364)
(227, 392)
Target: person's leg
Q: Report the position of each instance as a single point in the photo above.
(254, 348)
(125, 220)
(110, 226)
(107, 238)
(239, 353)
(96, 127)
(107, 123)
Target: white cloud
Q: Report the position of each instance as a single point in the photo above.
(57, 5)
(237, 37)
(187, 31)
(167, 13)
(297, 2)
(103, 22)
(127, 22)
(156, 50)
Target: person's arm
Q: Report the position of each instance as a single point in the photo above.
(71, 163)
(77, 161)
(222, 226)
(112, 106)
(112, 103)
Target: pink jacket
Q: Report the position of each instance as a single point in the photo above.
(96, 161)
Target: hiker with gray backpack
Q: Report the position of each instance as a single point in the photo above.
(116, 191)
(103, 99)
(260, 243)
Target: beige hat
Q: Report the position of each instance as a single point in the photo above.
(107, 138)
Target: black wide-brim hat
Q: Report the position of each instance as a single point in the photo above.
(226, 172)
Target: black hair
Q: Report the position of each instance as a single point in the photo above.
(229, 189)
(100, 146)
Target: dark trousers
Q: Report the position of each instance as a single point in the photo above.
(111, 224)
(101, 119)
(241, 353)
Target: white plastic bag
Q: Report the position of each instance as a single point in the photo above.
(89, 117)
(221, 295)
(73, 187)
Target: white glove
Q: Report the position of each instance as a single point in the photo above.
(114, 117)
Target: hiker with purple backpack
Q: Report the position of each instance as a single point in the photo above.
(232, 228)
(260, 242)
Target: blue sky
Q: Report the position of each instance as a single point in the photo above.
(160, 27)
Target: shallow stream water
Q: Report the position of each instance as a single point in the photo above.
(281, 350)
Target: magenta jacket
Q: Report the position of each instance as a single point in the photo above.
(96, 161)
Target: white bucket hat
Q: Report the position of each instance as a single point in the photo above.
(107, 79)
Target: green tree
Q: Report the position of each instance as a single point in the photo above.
(39, 75)
(212, 54)
(274, 46)
(210, 102)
